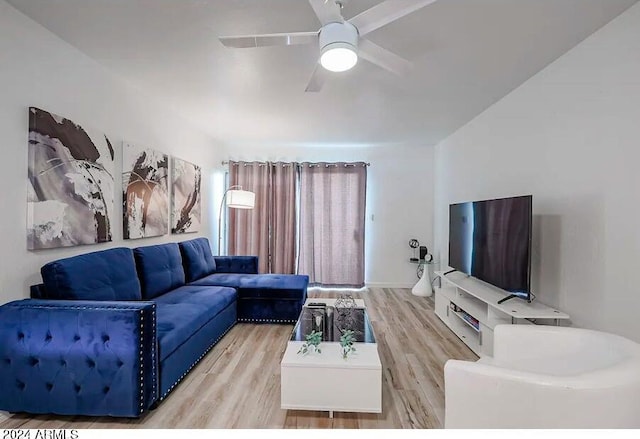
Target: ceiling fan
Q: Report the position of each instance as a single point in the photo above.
(341, 41)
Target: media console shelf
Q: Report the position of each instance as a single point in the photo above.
(462, 296)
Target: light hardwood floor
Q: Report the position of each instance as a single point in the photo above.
(237, 385)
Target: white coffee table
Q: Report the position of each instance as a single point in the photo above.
(326, 381)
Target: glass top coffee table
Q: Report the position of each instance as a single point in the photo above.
(326, 381)
(332, 322)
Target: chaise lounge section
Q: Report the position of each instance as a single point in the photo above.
(113, 332)
(265, 298)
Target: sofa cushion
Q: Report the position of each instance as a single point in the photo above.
(103, 275)
(197, 259)
(159, 268)
(223, 279)
(236, 264)
(175, 366)
(183, 311)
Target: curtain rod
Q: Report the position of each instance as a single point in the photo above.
(226, 162)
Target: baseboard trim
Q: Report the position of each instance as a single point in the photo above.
(389, 285)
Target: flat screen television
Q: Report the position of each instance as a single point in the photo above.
(491, 241)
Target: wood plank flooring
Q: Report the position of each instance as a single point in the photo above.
(237, 385)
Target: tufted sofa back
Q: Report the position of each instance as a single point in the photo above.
(197, 259)
(159, 268)
(102, 275)
(237, 264)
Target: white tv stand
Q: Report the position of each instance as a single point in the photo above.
(463, 296)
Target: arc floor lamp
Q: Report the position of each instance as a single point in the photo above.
(236, 198)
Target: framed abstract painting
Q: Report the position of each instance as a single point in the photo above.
(145, 192)
(70, 199)
(185, 200)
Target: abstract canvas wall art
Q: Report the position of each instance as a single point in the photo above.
(185, 200)
(145, 192)
(71, 185)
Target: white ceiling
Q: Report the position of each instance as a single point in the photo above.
(467, 54)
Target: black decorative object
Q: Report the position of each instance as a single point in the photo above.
(317, 319)
(424, 254)
(414, 244)
(344, 317)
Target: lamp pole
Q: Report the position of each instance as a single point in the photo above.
(224, 197)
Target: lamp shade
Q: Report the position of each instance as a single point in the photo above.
(239, 199)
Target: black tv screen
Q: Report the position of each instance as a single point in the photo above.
(491, 241)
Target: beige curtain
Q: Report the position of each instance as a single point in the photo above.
(283, 218)
(249, 229)
(332, 222)
(269, 229)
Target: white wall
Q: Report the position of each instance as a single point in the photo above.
(38, 69)
(399, 200)
(571, 137)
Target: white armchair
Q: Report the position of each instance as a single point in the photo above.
(546, 377)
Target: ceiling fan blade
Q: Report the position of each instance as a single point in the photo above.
(386, 12)
(285, 39)
(318, 77)
(327, 11)
(383, 58)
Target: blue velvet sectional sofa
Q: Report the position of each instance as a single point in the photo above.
(113, 332)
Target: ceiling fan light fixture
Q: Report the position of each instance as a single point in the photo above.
(338, 57)
(338, 46)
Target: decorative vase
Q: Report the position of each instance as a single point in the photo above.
(423, 286)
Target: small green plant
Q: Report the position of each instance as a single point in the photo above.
(312, 342)
(346, 341)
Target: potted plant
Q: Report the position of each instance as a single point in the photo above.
(346, 342)
(312, 343)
